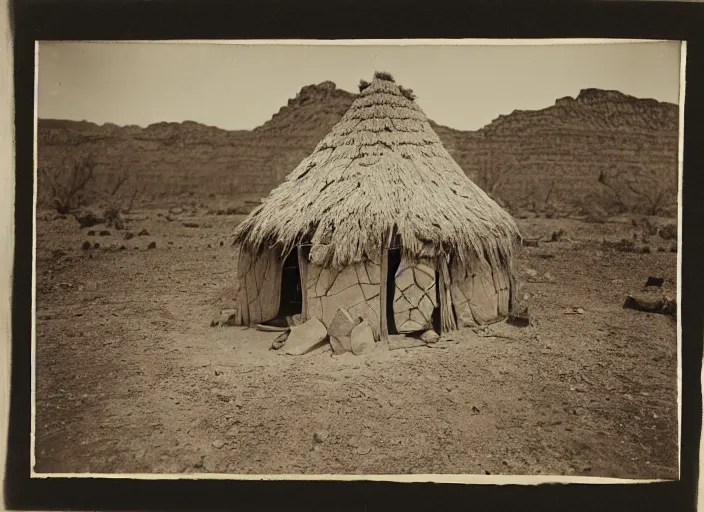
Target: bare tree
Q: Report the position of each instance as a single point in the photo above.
(642, 191)
(65, 183)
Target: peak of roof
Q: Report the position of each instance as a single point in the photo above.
(381, 168)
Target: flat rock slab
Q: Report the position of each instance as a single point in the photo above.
(340, 330)
(305, 337)
(651, 303)
(362, 339)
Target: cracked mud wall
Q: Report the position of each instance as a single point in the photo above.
(260, 285)
(414, 296)
(480, 293)
(355, 288)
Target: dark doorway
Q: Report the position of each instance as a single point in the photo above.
(394, 262)
(291, 294)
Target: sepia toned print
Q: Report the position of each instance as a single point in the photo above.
(351, 287)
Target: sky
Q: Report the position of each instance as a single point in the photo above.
(242, 86)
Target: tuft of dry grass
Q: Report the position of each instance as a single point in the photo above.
(381, 169)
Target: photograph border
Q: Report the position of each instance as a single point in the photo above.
(66, 20)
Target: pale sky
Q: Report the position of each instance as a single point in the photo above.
(241, 87)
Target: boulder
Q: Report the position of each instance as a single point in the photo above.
(362, 339)
(305, 337)
(430, 336)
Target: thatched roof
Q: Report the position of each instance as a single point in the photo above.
(381, 167)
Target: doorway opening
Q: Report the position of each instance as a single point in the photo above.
(392, 267)
(291, 302)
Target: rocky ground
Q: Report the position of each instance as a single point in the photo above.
(131, 378)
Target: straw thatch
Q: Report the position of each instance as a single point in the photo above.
(381, 169)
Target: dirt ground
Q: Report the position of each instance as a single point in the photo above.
(131, 378)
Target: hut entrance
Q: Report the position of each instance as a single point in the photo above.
(392, 267)
(291, 294)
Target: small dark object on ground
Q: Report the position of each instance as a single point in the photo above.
(222, 243)
(152, 245)
(673, 248)
(519, 317)
(96, 245)
(88, 220)
(531, 243)
(190, 225)
(645, 250)
(128, 235)
(144, 232)
(558, 236)
(91, 233)
(654, 281)
(105, 232)
(86, 245)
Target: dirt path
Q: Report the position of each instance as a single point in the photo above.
(131, 378)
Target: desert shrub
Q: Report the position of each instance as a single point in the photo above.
(363, 84)
(63, 185)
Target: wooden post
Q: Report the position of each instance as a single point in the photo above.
(242, 270)
(383, 271)
(447, 317)
(303, 271)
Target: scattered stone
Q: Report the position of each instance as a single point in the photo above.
(475, 410)
(645, 249)
(654, 281)
(430, 336)
(144, 232)
(661, 249)
(152, 245)
(558, 236)
(218, 443)
(122, 248)
(531, 273)
(128, 235)
(191, 224)
(321, 436)
(531, 243)
(171, 218)
(119, 224)
(86, 245)
(673, 248)
(519, 317)
(176, 210)
(362, 339)
(306, 337)
(432, 377)
(105, 232)
(279, 341)
(549, 277)
(363, 449)
(668, 232)
(96, 245)
(91, 233)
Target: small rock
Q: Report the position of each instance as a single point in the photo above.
(91, 233)
(320, 436)
(144, 232)
(191, 225)
(475, 410)
(152, 245)
(128, 235)
(176, 210)
(531, 243)
(86, 245)
(105, 232)
(430, 336)
(432, 377)
(96, 245)
(218, 443)
(531, 273)
(549, 277)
